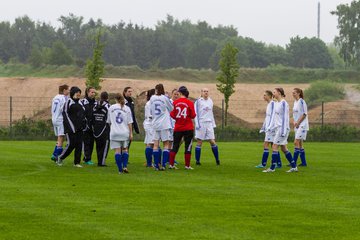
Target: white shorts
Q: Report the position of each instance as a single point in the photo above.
(278, 139)
(163, 135)
(119, 144)
(300, 133)
(269, 136)
(205, 132)
(149, 136)
(59, 130)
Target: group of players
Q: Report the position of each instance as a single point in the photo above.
(168, 119)
(277, 128)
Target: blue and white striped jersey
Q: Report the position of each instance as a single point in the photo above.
(280, 118)
(270, 111)
(299, 109)
(160, 109)
(204, 111)
(119, 119)
(57, 107)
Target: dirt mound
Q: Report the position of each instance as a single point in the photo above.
(32, 98)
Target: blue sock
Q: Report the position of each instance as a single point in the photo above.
(274, 159)
(265, 156)
(148, 155)
(290, 159)
(55, 151)
(279, 163)
(118, 161)
(296, 154)
(215, 151)
(59, 151)
(156, 154)
(197, 153)
(125, 159)
(166, 155)
(302, 157)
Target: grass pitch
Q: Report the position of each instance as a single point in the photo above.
(39, 200)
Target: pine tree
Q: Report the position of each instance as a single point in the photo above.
(95, 66)
(229, 70)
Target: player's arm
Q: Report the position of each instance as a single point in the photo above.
(130, 132)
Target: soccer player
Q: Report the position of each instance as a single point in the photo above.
(183, 113)
(301, 125)
(88, 138)
(127, 93)
(57, 106)
(204, 125)
(120, 120)
(280, 124)
(101, 128)
(149, 132)
(269, 136)
(160, 111)
(74, 124)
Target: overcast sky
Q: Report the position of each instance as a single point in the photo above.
(269, 21)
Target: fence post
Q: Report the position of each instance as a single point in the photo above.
(11, 115)
(222, 113)
(322, 114)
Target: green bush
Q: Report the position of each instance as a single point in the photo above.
(324, 91)
(28, 129)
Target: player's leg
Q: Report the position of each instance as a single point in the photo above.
(200, 136)
(117, 147)
(125, 156)
(88, 141)
(198, 151)
(70, 145)
(156, 153)
(296, 149)
(149, 145)
(265, 155)
(302, 155)
(289, 158)
(215, 150)
(78, 149)
(188, 138)
(176, 144)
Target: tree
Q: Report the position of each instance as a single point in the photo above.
(309, 53)
(349, 26)
(60, 55)
(95, 66)
(229, 70)
(35, 59)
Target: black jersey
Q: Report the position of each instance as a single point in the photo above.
(88, 105)
(73, 116)
(99, 117)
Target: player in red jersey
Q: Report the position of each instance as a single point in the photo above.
(183, 113)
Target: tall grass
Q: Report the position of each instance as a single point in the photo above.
(272, 74)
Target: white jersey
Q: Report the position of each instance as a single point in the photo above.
(148, 117)
(270, 111)
(173, 121)
(119, 119)
(160, 111)
(204, 112)
(57, 107)
(299, 109)
(280, 119)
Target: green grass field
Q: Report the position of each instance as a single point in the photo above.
(39, 200)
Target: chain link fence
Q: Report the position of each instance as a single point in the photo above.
(248, 113)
